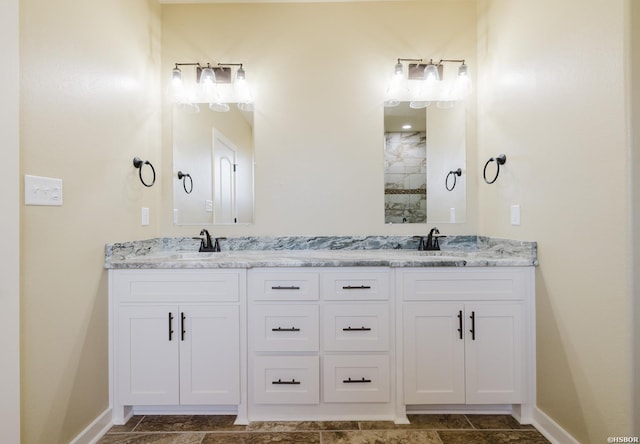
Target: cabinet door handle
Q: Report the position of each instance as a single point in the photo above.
(356, 329)
(285, 329)
(357, 287)
(356, 381)
(473, 326)
(289, 287)
(281, 382)
(170, 326)
(182, 317)
(460, 323)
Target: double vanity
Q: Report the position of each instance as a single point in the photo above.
(334, 328)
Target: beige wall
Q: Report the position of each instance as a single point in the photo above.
(9, 226)
(552, 94)
(89, 104)
(319, 72)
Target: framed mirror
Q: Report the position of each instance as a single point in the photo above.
(212, 165)
(425, 163)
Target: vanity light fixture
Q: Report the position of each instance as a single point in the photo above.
(213, 85)
(425, 82)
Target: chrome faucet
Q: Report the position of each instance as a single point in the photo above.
(432, 243)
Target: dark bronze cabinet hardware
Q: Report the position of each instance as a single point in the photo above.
(291, 287)
(460, 323)
(170, 326)
(356, 381)
(356, 287)
(356, 329)
(473, 325)
(182, 318)
(285, 329)
(281, 382)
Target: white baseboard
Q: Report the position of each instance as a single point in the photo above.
(95, 430)
(551, 429)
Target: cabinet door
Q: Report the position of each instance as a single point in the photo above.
(494, 353)
(147, 341)
(433, 353)
(209, 354)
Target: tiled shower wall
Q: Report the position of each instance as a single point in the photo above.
(405, 178)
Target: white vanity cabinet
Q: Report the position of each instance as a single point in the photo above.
(319, 343)
(467, 335)
(176, 338)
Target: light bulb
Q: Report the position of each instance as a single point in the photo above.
(463, 70)
(176, 77)
(219, 107)
(398, 69)
(240, 74)
(246, 106)
(431, 72)
(207, 75)
(419, 104)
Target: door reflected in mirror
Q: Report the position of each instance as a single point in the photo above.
(216, 150)
(423, 149)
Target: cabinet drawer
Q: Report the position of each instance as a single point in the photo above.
(356, 327)
(356, 378)
(483, 284)
(287, 285)
(286, 380)
(359, 285)
(275, 327)
(176, 285)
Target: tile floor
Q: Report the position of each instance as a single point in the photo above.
(424, 429)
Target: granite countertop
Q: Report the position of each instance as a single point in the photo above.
(302, 251)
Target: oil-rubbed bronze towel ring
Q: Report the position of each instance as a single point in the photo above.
(183, 177)
(500, 160)
(138, 163)
(454, 174)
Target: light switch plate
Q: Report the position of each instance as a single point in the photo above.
(42, 190)
(145, 216)
(515, 214)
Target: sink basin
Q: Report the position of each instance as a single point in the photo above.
(439, 253)
(196, 256)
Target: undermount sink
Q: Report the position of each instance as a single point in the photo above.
(439, 253)
(198, 256)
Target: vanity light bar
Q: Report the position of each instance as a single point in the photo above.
(419, 70)
(217, 74)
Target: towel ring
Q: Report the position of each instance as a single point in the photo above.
(500, 160)
(184, 176)
(454, 174)
(138, 163)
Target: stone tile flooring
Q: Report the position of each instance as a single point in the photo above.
(424, 429)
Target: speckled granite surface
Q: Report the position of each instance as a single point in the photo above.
(324, 251)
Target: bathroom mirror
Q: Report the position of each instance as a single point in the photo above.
(212, 165)
(423, 150)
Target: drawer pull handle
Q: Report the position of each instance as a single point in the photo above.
(170, 326)
(285, 329)
(356, 329)
(182, 318)
(473, 325)
(356, 381)
(291, 287)
(460, 323)
(356, 287)
(281, 382)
